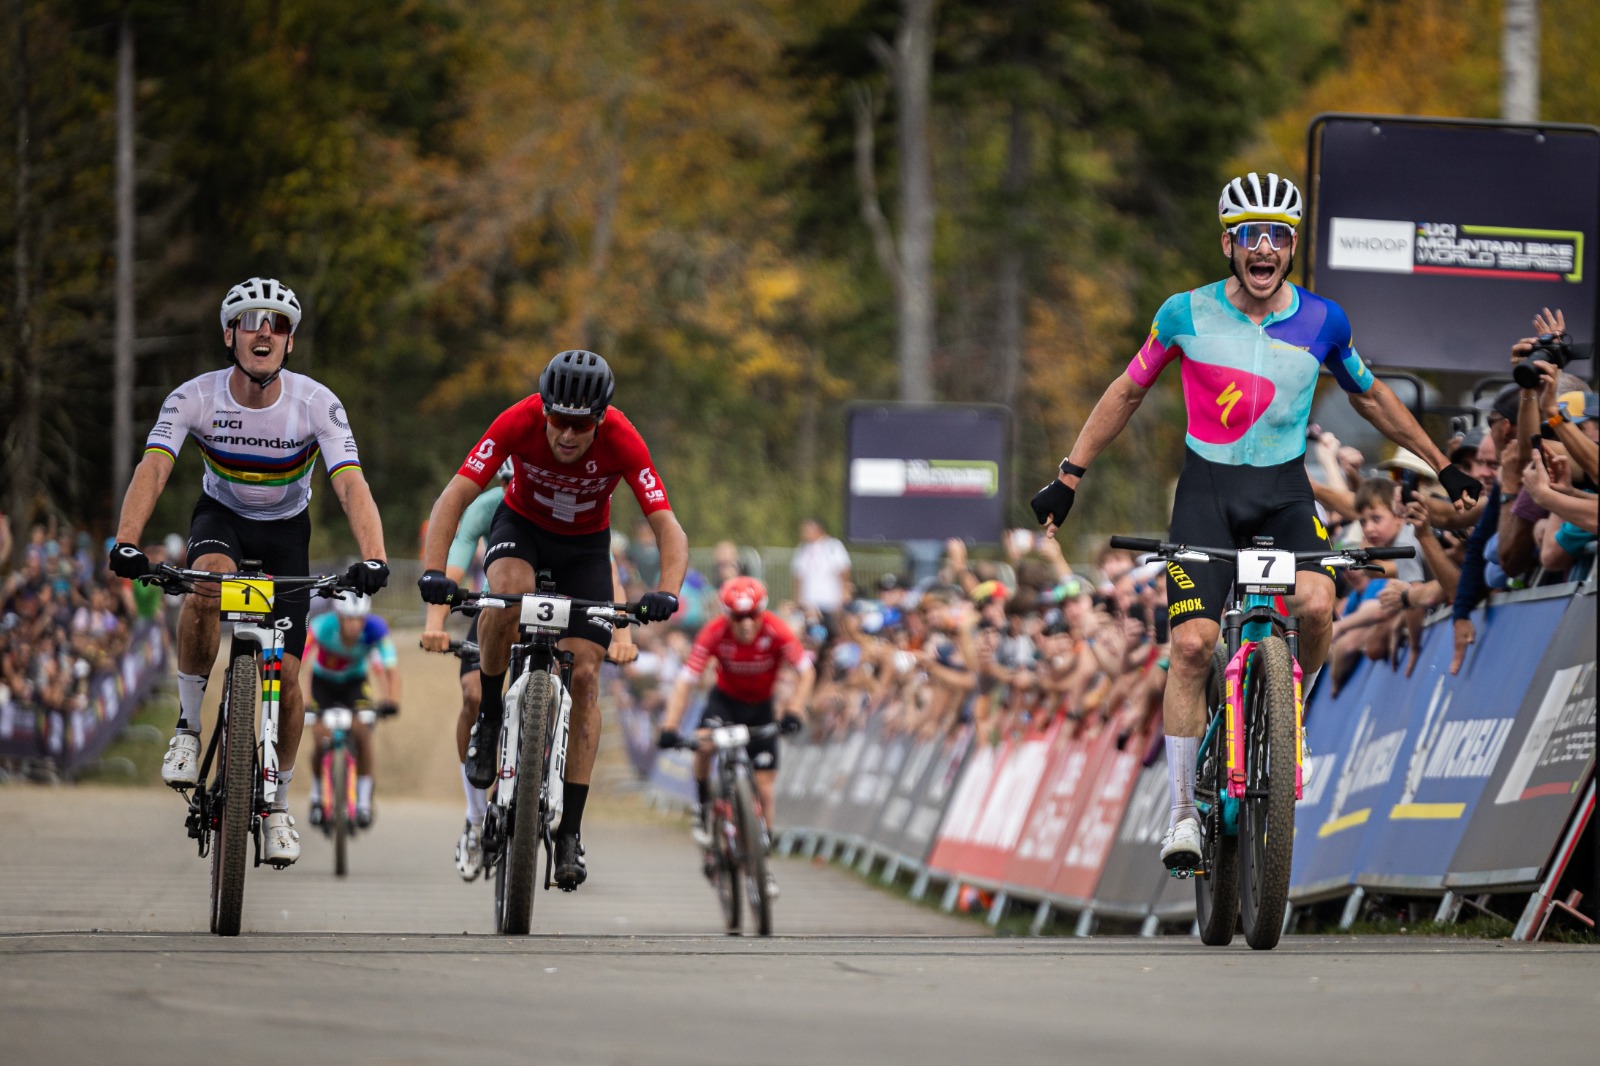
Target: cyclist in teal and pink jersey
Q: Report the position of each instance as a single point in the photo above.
(1249, 349)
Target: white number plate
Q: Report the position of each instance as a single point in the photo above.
(1266, 571)
(546, 612)
(730, 736)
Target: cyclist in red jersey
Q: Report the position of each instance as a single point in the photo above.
(750, 644)
(569, 448)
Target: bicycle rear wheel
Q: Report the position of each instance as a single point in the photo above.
(754, 851)
(1216, 885)
(1266, 818)
(234, 797)
(526, 828)
(339, 787)
(725, 858)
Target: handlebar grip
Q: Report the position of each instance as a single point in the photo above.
(1398, 551)
(1136, 544)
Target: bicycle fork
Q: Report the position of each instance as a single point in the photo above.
(1235, 680)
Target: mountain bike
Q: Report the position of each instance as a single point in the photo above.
(1250, 768)
(528, 790)
(228, 813)
(737, 856)
(336, 777)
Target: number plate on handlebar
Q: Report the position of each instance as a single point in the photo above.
(730, 736)
(546, 613)
(246, 599)
(1266, 572)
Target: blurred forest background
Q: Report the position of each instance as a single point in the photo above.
(711, 193)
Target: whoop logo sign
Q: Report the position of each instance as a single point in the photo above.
(1446, 248)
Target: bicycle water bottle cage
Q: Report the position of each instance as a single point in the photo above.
(546, 582)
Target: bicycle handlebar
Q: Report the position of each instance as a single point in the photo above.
(178, 579)
(691, 742)
(1334, 557)
(620, 614)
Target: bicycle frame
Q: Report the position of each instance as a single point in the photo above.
(534, 653)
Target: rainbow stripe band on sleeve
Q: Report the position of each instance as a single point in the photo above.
(161, 449)
(348, 464)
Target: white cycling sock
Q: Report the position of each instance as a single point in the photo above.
(191, 693)
(364, 792)
(477, 799)
(281, 803)
(1309, 683)
(1181, 754)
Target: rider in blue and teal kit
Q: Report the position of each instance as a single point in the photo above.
(346, 646)
(1249, 349)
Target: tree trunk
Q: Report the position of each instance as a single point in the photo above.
(913, 77)
(122, 398)
(1009, 282)
(22, 438)
(1519, 61)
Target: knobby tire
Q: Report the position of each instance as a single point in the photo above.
(527, 830)
(1216, 891)
(1266, 823)
(230, 844)
(725, 860)
(338, 791)
(754, 851)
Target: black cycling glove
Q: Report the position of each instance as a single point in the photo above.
(436, 588)
(368, 576)
(668, 740)
(388, 709)
(128, 561)
(1458, 483)
(790, 724)
(1053, 502)
(657, 606)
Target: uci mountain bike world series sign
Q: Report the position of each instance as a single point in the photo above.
(1442, 237)
(926, 471)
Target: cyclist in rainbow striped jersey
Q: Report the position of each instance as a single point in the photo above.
(1249, 349)
(260, 429)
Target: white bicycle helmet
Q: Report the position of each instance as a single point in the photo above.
(351, 605)
(263, 294)
(1250, 199)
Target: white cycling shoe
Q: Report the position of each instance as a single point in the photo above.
(772, 887)
(1180, 848)
(180, 766)
(280, 844)
(469, 854)
(700, 835)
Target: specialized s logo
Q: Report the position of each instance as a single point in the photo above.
(1227, 399)
(1179, 578)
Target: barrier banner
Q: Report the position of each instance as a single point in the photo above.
(1548, 757)
(1055, 811)
(988, 811)
(861, 799)
(889, 831)
(798, 803)
(1133, 879)
(909, 829)
(1116, 771)
(672, 773)
(1457, 731)
(834, 782)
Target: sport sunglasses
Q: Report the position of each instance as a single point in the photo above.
(1248, 235)
(250, 321)
(576, 423)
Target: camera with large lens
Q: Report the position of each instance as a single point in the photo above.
(1549, 348)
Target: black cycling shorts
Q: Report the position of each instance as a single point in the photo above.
(580, 564)
(282, 545)
(723, 708)
(326, 692)
(1221, 506)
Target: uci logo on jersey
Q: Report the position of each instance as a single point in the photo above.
(227, 423)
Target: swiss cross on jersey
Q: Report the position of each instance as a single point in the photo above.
(566, 497)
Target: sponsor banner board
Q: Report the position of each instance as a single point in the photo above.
(798, 804)
(864, 792)
(1116, 771)
(1133, 875)
(1435, 234)
(915, 837)
(981, 833)
(672, 773)
(1548, 758)
(1054, 812)
(926, 471)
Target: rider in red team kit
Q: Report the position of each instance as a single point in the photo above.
(750, 644)
(569, 448)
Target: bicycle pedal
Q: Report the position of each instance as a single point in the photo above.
(1183, 873)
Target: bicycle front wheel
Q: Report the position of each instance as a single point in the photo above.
(725, 850)
(1216, 885)
(754, 850)
(339, 786)
(1266, 818)
(526, 829)
(233, 797)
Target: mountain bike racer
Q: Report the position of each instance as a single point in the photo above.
(345, 647)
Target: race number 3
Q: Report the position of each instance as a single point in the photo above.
(546, 612)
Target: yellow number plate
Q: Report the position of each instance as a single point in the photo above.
(247, 596)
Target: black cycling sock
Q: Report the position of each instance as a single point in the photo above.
(702, 788)
(491, 706)
(575, 796)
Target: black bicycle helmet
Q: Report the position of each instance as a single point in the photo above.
(577, 383)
